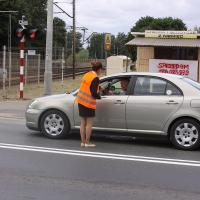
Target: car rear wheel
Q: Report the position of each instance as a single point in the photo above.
(54, 124)
(185, 134)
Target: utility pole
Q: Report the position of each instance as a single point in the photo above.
(74, 39)
(62, 65)
(49, 44)
(66, 51)
(4, 71)
(10, 50)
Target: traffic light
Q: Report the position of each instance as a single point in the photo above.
(28, 33)
(32, 34)
(20, 32)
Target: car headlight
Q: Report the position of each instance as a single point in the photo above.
(33, 104)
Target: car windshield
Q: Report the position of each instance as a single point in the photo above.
(192, 82)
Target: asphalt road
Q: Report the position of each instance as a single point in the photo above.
(33, 167)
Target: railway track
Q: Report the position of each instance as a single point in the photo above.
(32, 76)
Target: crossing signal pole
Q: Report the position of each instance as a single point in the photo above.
(23, 33)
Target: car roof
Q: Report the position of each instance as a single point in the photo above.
(164, 75)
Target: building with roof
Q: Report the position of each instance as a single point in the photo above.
(175, 52)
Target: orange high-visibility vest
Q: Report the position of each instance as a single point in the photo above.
(84, 96)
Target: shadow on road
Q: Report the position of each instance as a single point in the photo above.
(107, 138)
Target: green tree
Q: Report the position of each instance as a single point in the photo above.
(59, 32)
(4, 21)
(143, 24)
(120, 44)
(96, 46)
(34, 10)
(69, 42)
(166, 23)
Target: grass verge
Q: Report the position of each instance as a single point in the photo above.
(34, 90)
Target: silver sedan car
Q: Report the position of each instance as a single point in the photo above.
(152, 104)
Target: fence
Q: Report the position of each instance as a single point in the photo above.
(35, 67)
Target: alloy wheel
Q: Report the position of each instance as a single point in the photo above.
(186, 134)
(54, 124)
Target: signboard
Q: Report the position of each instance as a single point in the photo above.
(107, 44)
(180, 67)
(31, 52)
(171, 34)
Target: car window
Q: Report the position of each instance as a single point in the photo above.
(172, 90)
(154, 86)
(149, 86)
(115, 86)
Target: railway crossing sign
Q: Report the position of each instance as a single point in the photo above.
(107, 44)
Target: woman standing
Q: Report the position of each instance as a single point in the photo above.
(86, 99)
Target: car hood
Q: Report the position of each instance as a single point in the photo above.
(59, 101)
(55, 97)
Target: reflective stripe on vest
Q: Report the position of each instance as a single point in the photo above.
(89, 97)
(84, 95)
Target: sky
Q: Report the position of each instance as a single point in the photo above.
(113, 16)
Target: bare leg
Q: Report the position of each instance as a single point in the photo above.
(89, 123)
(83, 129)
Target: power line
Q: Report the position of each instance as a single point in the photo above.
(55, 3)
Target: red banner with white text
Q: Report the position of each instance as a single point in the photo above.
(188, 68)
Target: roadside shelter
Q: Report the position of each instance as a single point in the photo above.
(175, 52)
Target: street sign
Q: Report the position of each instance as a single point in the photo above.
(107, 44)
(31, 52)
(171, 34)
(23, 22)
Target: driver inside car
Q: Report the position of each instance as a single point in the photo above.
(110, 89)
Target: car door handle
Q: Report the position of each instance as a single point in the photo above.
(172, 102)
(119, 102)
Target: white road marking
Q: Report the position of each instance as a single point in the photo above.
(13, 118)
(102, 155)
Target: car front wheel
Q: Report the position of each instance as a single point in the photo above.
(185, 134)
(54, 124)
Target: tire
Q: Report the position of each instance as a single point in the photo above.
(54, 124)
(185, 134)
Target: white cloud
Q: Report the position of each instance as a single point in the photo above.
(120, 15)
